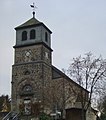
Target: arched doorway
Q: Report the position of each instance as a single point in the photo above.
(26, 97)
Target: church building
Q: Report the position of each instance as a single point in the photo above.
(37, 85)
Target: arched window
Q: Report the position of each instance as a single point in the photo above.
(46, 37)
(24, 35)
(32, 34)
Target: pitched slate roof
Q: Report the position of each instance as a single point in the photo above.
(30, 23)
(56, 73)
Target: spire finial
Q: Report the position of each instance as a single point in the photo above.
(33, 9)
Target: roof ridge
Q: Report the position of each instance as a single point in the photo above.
(68, 78)
(32, 21)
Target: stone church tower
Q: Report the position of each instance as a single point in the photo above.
(32, 64)
(35, 81)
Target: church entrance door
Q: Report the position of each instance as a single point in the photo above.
(27, 108)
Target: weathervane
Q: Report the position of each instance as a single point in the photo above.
(33, 9)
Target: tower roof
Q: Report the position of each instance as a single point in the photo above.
(30, 23)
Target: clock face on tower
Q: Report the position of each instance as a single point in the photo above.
(27, 53)
(28, 56)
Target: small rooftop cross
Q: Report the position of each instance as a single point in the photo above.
(33, 8)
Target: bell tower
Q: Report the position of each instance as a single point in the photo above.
(31, 71)
(33, 33)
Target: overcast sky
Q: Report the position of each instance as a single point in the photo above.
(78, 26)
